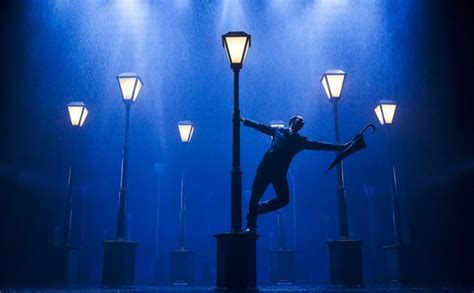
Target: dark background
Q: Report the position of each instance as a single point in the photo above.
(418, 53)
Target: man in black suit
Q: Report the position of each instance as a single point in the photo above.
(286, 143)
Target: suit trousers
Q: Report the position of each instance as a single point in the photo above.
(266, 176)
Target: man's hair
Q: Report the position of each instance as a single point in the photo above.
(294, 118)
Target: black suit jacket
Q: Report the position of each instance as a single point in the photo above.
(285, 145)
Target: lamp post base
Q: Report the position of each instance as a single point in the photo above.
(181, 267)
(66, 261)
(236, 262)
(345, 262)
(119, 263)
(396, 256)
(282, 266)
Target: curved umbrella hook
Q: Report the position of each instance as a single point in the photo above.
(370, 125)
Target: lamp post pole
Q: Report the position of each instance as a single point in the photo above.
(68, 250)
(395, 205)
(182, 214)
(236, 172)
(394, 253)
(68, 211)
(281, 231)
(122, 211)
(341, 190)
(182, 259)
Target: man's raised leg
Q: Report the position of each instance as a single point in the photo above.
(280, 184)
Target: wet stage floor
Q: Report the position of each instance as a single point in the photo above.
(263, 288)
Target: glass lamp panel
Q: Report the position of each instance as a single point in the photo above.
(324, 82)
(186, 131)
(388, 112)
(236, 47)
(378, 112)
(75, 111)
(247, 45)
(126, 85)
(192, 132)
(335, 82)
(85, 112)
(137, 89)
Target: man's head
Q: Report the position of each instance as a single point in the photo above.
(296, 123)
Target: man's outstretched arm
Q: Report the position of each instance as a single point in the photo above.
(258, 126)
(323, 146)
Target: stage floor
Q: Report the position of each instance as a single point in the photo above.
(263, 288)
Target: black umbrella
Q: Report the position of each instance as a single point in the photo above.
(357, 144)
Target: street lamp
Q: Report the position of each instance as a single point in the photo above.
(236, 45)
(130, 86)
(236, 251)
(186, 130)
(181, 261)
(333, 83)
(345, 256)
(77, 114)
(385, 112)
(119, 254)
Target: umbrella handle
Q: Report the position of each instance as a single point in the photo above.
(370, 125)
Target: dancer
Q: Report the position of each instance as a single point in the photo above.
(286, 143)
